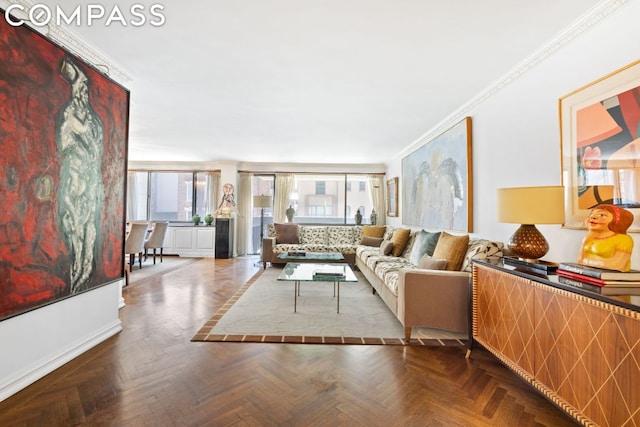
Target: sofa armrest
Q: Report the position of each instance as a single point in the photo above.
(434, 299)
(268, 243)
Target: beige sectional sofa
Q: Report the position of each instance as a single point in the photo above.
(418, 297)
(421, 297)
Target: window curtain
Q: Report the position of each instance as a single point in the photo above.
(245, 218)
(213, 182)
(376, 188)
(283, 187)
(132, 196)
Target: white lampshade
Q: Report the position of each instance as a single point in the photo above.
(531, 205)
(262, 201)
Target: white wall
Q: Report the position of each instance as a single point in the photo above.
(516, 133)
(36, 343)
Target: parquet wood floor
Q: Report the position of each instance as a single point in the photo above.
(151, 374)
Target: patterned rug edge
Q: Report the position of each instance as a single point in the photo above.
(203, 334)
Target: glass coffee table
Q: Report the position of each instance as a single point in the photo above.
(316, 272)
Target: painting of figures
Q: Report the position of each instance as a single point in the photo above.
(436, 181)
(62, 173)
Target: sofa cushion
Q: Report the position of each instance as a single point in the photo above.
(340, 235)
(425, 243)
(271, 230)
(453, 249)
(287, 233)
(373, 230)
(371, 241)
(427, 262)
(481, 249)
(314, 235)
(386, 247)
(400, 238)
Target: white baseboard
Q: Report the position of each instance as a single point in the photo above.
(15, 385)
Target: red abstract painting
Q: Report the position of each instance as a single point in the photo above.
(63, 143)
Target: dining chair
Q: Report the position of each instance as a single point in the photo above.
(134, 244)
(156, 239)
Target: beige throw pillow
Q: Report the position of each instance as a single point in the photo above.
(386, 247)
(453, 249)
(429, 263)
(371, 241)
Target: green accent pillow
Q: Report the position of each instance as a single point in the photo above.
(425, 243)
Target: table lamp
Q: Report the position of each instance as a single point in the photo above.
(529, 206)
(262, 202)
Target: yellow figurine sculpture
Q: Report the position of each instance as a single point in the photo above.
(607, 244)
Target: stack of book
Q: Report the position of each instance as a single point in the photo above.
(539, 266)
(329, 273)
(598, 280)
(296, 253)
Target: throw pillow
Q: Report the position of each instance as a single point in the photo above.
(452, 248)
(386, 247)
(400, 238)
(481, 249)
(287, 233)
(373, 230)
(429, 263)
(340, 235)
(371, 241)
(425, 243)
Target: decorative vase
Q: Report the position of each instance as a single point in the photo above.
(208, 219)
(373, 217)
(196, 219)
(358, 217)
(290, 212)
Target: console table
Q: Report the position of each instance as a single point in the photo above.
(579, 349)
(190, 241)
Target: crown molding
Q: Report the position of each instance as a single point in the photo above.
(74, 44)
(580, 26)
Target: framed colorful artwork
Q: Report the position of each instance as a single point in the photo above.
(437, 182)
(392, 197)
(64, 128)
(600, 145)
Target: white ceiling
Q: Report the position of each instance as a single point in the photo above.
(313, 81)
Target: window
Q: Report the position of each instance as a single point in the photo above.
(166, 196)
(327, 199)
(170, 196)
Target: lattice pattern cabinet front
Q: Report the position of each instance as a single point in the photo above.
(581, 351)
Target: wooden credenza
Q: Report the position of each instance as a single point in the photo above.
(580, 349)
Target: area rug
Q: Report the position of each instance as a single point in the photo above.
(149, 269)
(262, 311)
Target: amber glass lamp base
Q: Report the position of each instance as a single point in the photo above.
(528, 243)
